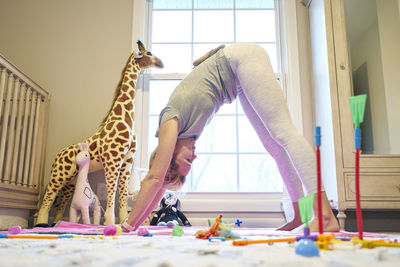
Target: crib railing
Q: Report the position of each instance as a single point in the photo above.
(23, 127)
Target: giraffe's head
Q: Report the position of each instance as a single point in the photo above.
(144, 59)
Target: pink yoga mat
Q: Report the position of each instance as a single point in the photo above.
(64, 227)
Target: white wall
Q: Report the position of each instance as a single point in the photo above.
(389, 34)
(74, 49)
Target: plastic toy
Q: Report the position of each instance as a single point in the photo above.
(317, 138)
(169, 212)
(177, 231)
(84, 198)
(238, 222)
(14, 230)
(357, 107)
(112, 230)
(307, 248)
(217, 229)
(143, 232)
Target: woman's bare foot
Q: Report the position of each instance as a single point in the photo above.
(330, 225)
(295, 222)
(289, 226)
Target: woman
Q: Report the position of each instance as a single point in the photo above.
(241, 70)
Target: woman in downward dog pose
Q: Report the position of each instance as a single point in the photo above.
(240, 70)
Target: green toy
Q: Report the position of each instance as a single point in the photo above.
(177, 231)
(305, 205)
(357, 108)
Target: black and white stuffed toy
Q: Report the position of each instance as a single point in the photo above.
(169, 212)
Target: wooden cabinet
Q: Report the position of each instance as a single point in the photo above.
(332, 75)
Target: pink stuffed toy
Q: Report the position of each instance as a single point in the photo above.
(84, 198)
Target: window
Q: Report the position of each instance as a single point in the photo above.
(230, 156)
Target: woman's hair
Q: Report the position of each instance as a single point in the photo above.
(172, 180)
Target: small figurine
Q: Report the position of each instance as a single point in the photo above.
(169, 212)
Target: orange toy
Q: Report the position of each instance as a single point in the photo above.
(212, 231)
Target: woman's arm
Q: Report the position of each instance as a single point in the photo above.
(151, 189)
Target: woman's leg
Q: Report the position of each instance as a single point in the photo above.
(254, 74)
(285, 166)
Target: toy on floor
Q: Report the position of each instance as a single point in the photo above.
(14, 230)
(357, 108)
(177, 231)
(112, 230)
(84, 199)
(169, 212)
(317, 139)
(112, 148)
(217, 229)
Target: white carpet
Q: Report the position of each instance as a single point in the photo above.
(164, 251)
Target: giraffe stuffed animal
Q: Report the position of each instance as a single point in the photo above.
(84, 199)
(111, 148)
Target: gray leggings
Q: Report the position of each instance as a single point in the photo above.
(263, 102)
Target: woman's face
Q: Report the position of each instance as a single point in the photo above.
(184, 155)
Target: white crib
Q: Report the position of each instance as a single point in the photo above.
(24, 109)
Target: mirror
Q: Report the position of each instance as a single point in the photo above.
(373, 38)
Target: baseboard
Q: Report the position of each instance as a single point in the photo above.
(374, 221)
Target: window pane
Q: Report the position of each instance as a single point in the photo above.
(214, 173)
(213, 4)
(258, 173)
(255, 4)
(159, 93)
(172, 26)
(248, 138)
(218, 136)
(172, 4)
(176, 57)
(153, 140)
(206, 28)
(255, 26)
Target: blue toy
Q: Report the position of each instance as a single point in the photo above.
(307, 248)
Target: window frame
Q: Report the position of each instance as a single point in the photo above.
(290, 81)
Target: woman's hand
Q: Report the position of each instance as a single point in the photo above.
(151, 190)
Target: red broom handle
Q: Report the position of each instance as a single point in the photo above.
(358, 202)
(319, 198)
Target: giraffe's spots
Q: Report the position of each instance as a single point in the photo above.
(129, 160)
(125, 79)
(109, 126)
(68, 167)
(124, 88)
(105, 147)
(132, 94)
(123, 98)
(117, 110)
(54, 190)
(107, 156)
(67, 160)
(128, 120)
(112, 134)
(132, 84)
(114, 153)
(121, 149)
(133, 76)
(60, 167)
(120, 141)
(71, 154)
(125, 134)
(129, 106)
